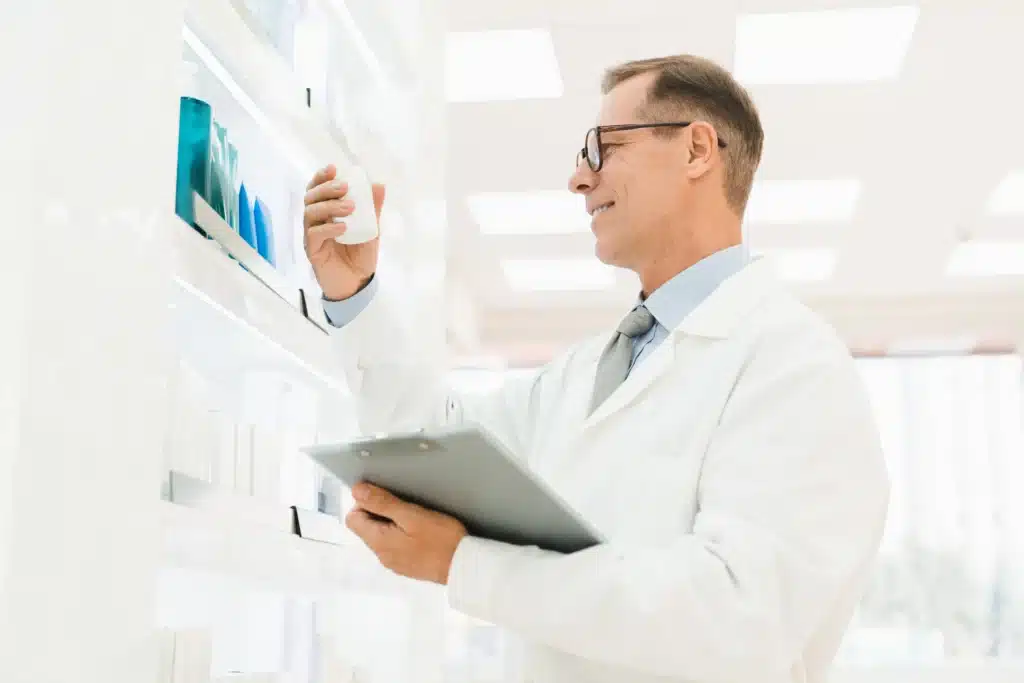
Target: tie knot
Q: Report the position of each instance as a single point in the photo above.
(638, 323)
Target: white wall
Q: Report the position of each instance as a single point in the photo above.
(92, 123)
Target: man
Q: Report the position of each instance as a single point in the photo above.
(720, 438)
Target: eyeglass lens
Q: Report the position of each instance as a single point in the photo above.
(593, 150)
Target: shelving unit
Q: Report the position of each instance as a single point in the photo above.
(229, 322)
(265, 85)
(240, 323)
(262, 83)
(216, 532)
(141, 347)
(397, 53)
(245, 255)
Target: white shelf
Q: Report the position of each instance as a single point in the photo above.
(268, 91)
(236, 508)
(209, 529)
(262, 83)
(233, 326)
(217, 228)
(343, 15)
(211, 541)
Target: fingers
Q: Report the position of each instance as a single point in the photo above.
(386, 540)
(378, 198)
(375, 533)
(384, 503)
(318, 234)
(334, 189)
(332, 211)
(322, 176)
(324, 189)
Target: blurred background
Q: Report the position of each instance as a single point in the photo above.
(165, 359)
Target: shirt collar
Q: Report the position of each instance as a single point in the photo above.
(676, 299)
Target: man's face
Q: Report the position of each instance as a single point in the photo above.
(642, 181)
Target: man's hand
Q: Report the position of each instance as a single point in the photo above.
(413, 541)
(341, 269)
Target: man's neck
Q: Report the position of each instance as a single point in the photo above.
(670, 262)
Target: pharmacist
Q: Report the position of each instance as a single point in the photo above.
(719, 437)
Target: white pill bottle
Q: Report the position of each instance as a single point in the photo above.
(361, 225)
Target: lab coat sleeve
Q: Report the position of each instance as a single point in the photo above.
(792, 501)
(399, 385)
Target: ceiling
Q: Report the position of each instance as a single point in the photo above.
(926, 148)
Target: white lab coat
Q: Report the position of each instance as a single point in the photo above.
(737, 474)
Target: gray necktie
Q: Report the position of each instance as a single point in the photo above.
(615, 361)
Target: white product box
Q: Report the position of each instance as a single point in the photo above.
(333, 669)
(194, 440)
(267, 457)
(244, 459)
(165, 655)
(193, 656)
(226, 454)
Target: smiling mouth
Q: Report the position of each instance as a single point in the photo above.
(601, 209)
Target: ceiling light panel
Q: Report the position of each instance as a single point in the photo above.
(986, 259)
(495, 66)
(802, 201)
(801, 264)
(554, 275)
(529, 213)
(829, 46)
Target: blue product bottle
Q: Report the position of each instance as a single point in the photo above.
(194, 121)
(264, 232)
(217, 190)
(233, 187)
(246, 225)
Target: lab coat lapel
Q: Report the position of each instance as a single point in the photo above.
(715, 318)
(641, 377)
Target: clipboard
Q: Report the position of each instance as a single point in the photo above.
(468, 474)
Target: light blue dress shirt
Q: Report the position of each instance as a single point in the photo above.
(669, 304)
(341, 313)
(676, 299)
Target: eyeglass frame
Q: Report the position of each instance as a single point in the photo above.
(597, 130)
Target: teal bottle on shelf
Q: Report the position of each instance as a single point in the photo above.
(194, 121)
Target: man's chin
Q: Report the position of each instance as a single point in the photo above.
(607, 253)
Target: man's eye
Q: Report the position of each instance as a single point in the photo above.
(607, 147)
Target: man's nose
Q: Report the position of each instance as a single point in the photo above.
(582, 179)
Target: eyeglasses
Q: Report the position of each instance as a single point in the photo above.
(592, 143)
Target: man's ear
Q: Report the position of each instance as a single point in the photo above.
(702, 143)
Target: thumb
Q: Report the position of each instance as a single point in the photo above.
(378, 198)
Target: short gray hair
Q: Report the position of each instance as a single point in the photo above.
(696, 87)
